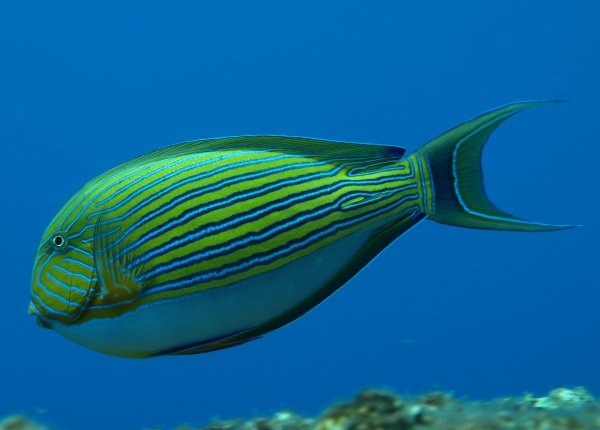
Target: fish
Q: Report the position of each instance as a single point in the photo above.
(209, 244)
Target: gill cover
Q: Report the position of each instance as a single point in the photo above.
(63, 279)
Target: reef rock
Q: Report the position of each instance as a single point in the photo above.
(561, 409)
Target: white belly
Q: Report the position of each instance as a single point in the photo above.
(217, 312)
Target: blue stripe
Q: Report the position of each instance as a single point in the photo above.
(51, 311)
(168, 167)
(455, 174)
(160, 194)
(271, 255)
(242, 195)
(54, 295)
(172, 187)
(423, 184)
(432, 187)
(393, 165)
(136, 170)
(251, 238)
(42, 268)
(79, 263)
(89, 191)
(76, 275)
(255, 213)
(81, 251)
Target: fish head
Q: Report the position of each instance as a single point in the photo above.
(64, 277)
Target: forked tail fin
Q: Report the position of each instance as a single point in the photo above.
(455, 161)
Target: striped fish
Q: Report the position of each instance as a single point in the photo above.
(209, 244)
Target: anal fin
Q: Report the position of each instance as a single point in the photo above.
(222, 342)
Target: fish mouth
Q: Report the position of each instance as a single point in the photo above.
(35, 311)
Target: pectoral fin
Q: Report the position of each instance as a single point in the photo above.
(118, 281)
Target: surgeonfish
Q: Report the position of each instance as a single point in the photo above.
(212, 243)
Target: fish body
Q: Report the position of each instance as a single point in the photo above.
(208, 244)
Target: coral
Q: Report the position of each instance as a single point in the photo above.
(561, 409)
(280, 421)
(563, 398)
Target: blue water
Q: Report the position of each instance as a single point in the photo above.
(481, 313)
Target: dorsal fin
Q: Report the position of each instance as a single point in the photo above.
(292, 145)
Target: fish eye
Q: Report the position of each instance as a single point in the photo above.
(59, 241)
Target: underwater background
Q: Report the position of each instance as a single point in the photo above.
(85, 86)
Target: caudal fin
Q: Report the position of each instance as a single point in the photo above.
(455, 161)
